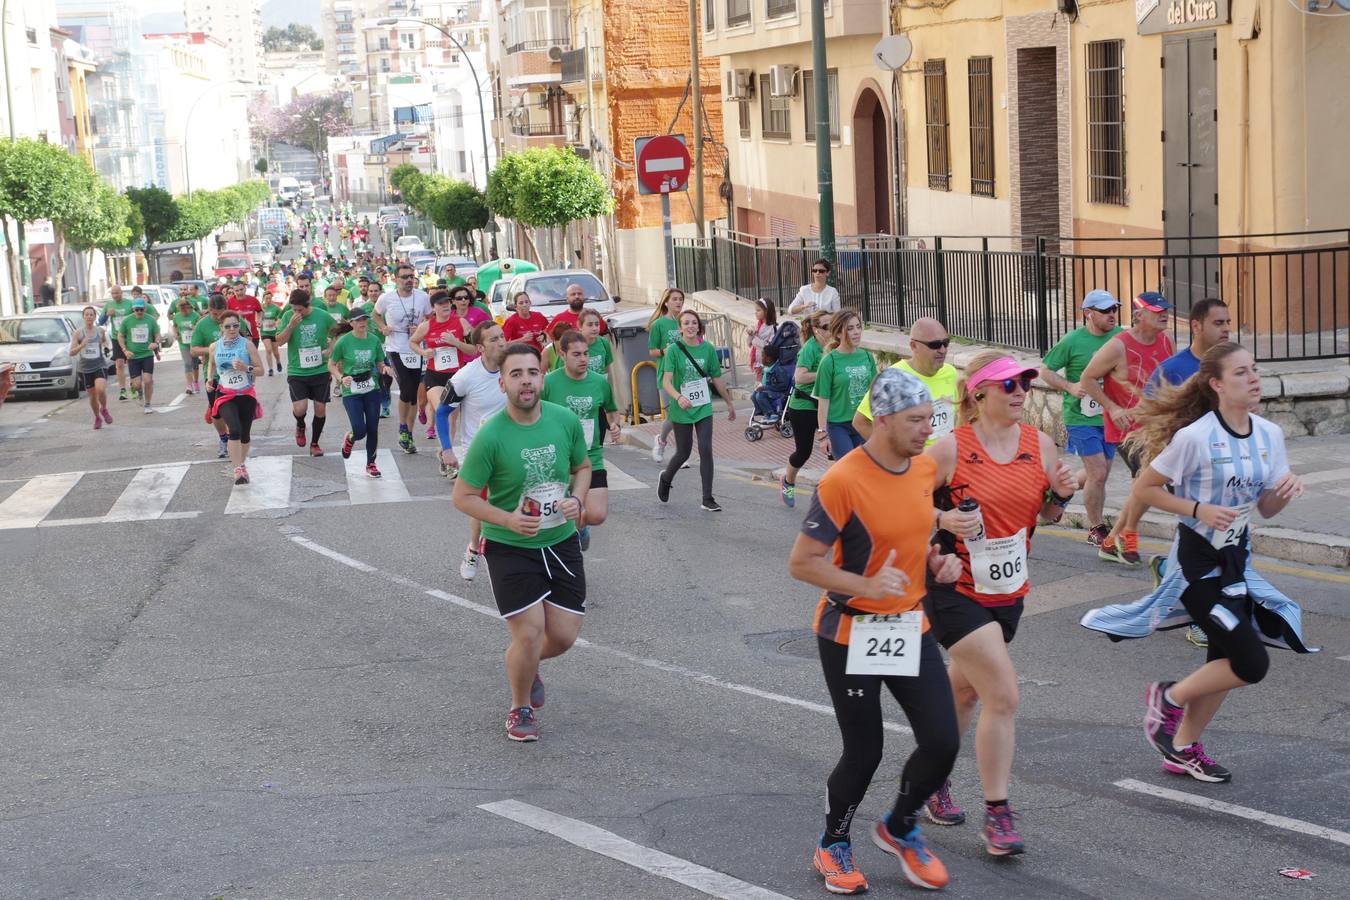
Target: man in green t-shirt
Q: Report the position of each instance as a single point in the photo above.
(1082, 415)
(928, 343)
(305, 332)
(587, 393)
(333, 303)
(114, 311)
(139, 336)
(533, 460)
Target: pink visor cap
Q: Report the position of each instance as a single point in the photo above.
(1000, 369)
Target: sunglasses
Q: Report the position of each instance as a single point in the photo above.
(1109, 311)
(1011, 384)
(935, 345)
(230, 325)
(820, 271)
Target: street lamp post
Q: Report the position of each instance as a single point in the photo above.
(477, 87)
(25, 271)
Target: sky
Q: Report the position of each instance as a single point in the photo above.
(167, 15)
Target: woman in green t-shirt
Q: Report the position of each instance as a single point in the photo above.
(268, 320)
(356, 364)
(598, 349)
(662, 330)
(842, 380)
(801, 406)
(184, 319)
(689, 372)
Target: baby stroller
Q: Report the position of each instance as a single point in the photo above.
(771, 398)
(773, 418)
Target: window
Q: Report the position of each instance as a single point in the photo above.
(809, 93)
(738, 12)
(935, 115)
(709, 14)
(779, 8)
(775, 112)
(408, 40)
(384, 42)
(743, 113)
(981, 69)
(1106, 121)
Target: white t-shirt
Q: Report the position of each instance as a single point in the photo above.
(1207, 462)
(481, 396)
(808, 301)
(403, 314)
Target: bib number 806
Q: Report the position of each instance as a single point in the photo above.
(1005, 570)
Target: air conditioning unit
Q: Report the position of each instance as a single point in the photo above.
(740, 84)
(555, 53)
(783, 81)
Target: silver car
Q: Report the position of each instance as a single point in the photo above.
(548, 292)
(39, 347)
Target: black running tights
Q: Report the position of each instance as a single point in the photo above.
(237, 414)
(804, 423)
(684, 445)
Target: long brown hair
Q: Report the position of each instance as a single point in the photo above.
(1173, 407)
(661, 308)
(966, 409)
(837, 327)
(811, 327)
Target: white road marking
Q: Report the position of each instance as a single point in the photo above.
(646, 662)
(173, 404)
(1255, 815)
(269, 487)
(30, 504)
(148, 494)
(607, 843)
(361, 488)
(103, 520)
(1344, 658)
(619, 480)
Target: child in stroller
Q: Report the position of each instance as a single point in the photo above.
(771, 396)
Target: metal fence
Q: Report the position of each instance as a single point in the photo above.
(1026, 292)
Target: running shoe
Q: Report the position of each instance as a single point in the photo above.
(348, 442)
(835, 862)
(1113, 551)
(1195, 762)
(1196, 635)
(384, 410)
(537, 693)
(372, 471)
(584, 536)
(921, 867)
(269, 373)
(107, 416)
(422, 415)
(240, 475)
(521, 725)
(788, 492)
(662, 489)
(315, 450)
(468, 567)
(299, 435)
(431, 432)
(1131, 552)
(659, 451)
(224, 449)
(1096, 535)
(1161, 719)
(122, 394)
(1000, 831)
(147, 409)
(941, 809)
(712, 505)
(405, 440)
(1157, 568)
(98, 423)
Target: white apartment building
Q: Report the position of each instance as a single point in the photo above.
(236, 22)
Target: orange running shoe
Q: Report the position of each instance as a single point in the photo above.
(835, 862)
(1131, 552)
(921, 867)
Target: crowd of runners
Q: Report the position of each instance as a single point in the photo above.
(918, 534)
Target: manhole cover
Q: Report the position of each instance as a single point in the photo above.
(794, 643)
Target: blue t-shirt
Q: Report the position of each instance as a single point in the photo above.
(1175, 369)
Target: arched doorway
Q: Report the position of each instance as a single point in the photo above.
(871, 164)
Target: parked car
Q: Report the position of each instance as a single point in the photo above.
(39, 348)
(161, 297)
(73, 313)
(233, 264)
(464, 265)
(420, 259)
(203, 287)
(408, 243)
(548, 292)
(262, 252)
(389, 212)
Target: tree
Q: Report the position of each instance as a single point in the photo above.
(402, 173)
(503, 184)
(293, 37)
(459, 207)
(158, 213)
(308, 121)
(261, 166)
(547, 187)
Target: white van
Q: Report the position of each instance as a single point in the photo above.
(288, 190)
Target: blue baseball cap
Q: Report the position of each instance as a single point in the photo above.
(138, 304)
(1152, 301)
(1100, 300)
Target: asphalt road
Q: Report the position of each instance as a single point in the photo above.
(307, 701)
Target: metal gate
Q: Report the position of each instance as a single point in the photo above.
(1190, 168)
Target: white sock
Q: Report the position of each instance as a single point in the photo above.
(1167, 695)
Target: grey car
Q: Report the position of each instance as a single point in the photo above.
(39, 347)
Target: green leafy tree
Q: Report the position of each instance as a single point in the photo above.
(503, 184)
(557, 187)
(157, 211)
(459, 207)
(415, 189)
(260, 166)
(400, 174)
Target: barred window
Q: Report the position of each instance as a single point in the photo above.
(775, 112)
(809, 94)
(738, 12)
(981, 69)
(1106, 121)
(778, 8)
(935, 115)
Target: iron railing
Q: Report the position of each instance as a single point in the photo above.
(1289, 299)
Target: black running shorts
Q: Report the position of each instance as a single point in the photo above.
(953, 615)
(523, 577)
(310, 387)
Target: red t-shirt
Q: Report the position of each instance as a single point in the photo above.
(1141, 360)
(516, 325)
(249, 307)
(571, 319)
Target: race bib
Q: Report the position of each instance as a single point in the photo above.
(117, 322)
(696, 392)
(363, 386)
(311, 357)
(411, 360)
(999, 565)
(588, 429)
(93, 351)
(233, 379)
(545, 500)
(447, 358)
(943, 421)
(1089, 407)
(885, 645)
(1232, 535)
(140, 334)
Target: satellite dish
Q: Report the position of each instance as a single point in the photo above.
(893, 51)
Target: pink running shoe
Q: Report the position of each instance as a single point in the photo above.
(107, 416)
(98, 423)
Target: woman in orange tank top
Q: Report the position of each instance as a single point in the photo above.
(1015, 475)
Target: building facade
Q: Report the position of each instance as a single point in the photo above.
(236, 22)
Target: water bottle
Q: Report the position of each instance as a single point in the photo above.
(971, 505)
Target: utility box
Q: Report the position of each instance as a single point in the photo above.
(629, 332)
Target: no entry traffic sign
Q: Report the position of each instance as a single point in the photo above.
(662, 164)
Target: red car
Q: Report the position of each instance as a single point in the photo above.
(231, 264)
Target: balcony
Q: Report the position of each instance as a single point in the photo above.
(574, 67)
(526, 46)
(536, 129)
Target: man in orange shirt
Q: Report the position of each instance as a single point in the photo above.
(866, 543)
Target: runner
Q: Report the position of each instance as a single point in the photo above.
(247, 306)
(307, 334)
(114, 311)
(139, 337)
(871, 565)
(586, 392)
(600, 354)
(183, 321)
(332, 300)
(373, 292)
(524, 324)
(355, 363)
(818, 294)
(928, 343)
(1014, 474)
(206, 333)
(663, 329)
(576, 302)
(1222, 462)
(397, 315)
(841, 382)
(1082, 415)
(91, 371)
(1115, 379)
(476, 391)
(533, 463)
(268, 320)
(442, 342)
(802, 408)
(231, 363)
(688, 368)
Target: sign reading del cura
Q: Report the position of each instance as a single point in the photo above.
(1179, 15)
